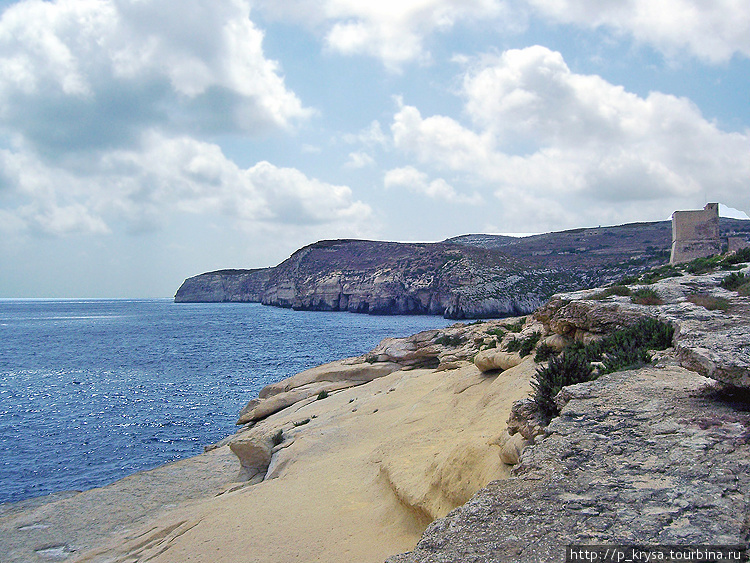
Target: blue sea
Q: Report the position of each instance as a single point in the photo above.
(94, 390)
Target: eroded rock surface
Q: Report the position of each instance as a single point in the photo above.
(655, 456)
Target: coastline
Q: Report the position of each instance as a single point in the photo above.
(361, 473)
(374, 465)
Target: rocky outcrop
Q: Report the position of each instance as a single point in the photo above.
(654, 456)
(658, 455)
(441, 349)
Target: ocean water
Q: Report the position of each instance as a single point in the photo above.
(94, 390)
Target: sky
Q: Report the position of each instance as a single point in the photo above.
(146, 141)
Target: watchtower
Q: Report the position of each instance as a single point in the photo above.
(695, 234)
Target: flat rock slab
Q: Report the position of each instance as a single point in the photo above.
(58, 527)
(654, 456)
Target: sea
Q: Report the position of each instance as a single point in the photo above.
(93, 390)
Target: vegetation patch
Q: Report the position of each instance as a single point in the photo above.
(516, 327)
(563, 370)
(301, 422)
(322, 395)
(278, 437)
(646, 296)
(626, 348)
(499, 332)
(544, 352)
(450, 340)
(660, 273)
(740, 257)
(709, 302)
(523, 346)
(734, 281)
(744, 290)
(621, 290)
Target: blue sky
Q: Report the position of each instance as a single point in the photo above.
(145, 141)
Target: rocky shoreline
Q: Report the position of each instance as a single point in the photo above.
(407, 449)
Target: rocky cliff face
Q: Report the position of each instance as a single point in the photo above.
(223, 286)
(473, 276)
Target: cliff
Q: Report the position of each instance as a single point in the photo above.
(224, 286)
(472, 276)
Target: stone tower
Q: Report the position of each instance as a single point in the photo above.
(695, 234)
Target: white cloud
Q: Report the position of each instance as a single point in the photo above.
(714, 30)
(90, 74)
(393, 31)
(359, 160)
(396, 32)
(143, 187)
(412, 179)
(575, 149)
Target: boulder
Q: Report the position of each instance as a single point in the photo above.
(493, 359)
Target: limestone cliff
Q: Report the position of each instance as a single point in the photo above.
(222, 286)
(472, 276)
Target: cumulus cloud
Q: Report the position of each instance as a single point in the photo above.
(412, 179)
(142, 187)
(80, 74)
(396, 31)
(103, 105)
(393, 31)
(713, 31)
(574, 148)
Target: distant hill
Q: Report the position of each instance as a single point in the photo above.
(470, 276)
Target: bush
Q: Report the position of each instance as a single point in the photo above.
(622, 349)
(734, 281)
(528, 344)
(646, 296)
(448, 340)
(516, 327)
(739, 257)
(660, 273)
(621, 290)
(499, 332)
(322, 395)
(301, 422)
(709, 302)
(278, 437)
(544, 352)
(563, 370)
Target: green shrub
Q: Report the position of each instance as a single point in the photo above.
(499, 332)
(703, 265)
(517, 326)
(322, 395)
(528, 344)
(450, 340)
(734, 281)
(622, 349)
(563, 370)
(301, 422)
(660, 273)
(278, 437)
(513, 345)
(739, 257)
(544, 352)
(621, 290)
(646, 296)
(709, 302)
(492, 344)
